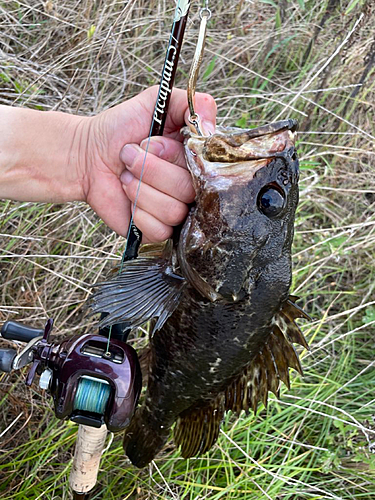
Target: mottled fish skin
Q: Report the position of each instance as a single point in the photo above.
(236, 261)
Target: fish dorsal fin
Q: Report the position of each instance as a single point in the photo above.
(288, 313)
(146, 288)
(197, 428)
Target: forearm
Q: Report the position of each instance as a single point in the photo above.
(41, 155)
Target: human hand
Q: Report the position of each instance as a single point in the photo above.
(116, 148)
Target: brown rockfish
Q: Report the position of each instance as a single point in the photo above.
(218, 295)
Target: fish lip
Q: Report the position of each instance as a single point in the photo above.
(288, 124)
(236, 137)
(293, 124)
(273, 127)
(233, 145)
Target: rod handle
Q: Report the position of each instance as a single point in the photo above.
(89, 447)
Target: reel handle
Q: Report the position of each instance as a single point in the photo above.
(12, 330)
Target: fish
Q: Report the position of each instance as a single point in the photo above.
(217, 295)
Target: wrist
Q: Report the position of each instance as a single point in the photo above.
(42, 155)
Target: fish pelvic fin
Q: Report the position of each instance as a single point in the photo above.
(147, 288)
(197, 428)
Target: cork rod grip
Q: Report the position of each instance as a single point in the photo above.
(89, 446)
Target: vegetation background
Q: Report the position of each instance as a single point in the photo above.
(265, 59)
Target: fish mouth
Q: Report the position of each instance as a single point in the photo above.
(254, 144)
(237, 154)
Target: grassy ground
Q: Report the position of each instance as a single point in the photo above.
(312, 60)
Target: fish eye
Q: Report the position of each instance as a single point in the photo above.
(271, 201)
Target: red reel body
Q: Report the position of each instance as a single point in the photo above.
(92, 380)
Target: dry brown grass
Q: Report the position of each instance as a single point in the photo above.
(260, 62)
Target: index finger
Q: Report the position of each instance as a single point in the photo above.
(166, 149)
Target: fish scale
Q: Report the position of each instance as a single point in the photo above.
(217, 295)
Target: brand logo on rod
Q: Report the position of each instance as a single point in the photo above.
(165, 86)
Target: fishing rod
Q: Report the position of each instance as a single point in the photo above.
(134, 237)
(159, 117)
(93, 380)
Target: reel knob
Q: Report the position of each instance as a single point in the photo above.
(45, 379)
(13, 330)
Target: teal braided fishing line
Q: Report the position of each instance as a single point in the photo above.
(92, 395)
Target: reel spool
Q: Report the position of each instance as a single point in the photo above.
(92, 395)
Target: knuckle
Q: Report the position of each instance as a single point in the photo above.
(136, 165)
(177, 213)
(151, 172)
(160, 233)
(149, 168)
(179, 158)
(185, 188)
(131, 190)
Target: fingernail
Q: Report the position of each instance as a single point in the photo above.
(208, 127)
(126, 177)
(128, 154)
(155, 147)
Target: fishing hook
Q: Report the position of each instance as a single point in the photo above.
(204, 14)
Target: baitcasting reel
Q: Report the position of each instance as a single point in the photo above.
(92, 381)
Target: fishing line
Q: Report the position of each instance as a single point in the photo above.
(177, 16)
(92, 395)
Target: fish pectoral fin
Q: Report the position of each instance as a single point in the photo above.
(147, 288)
